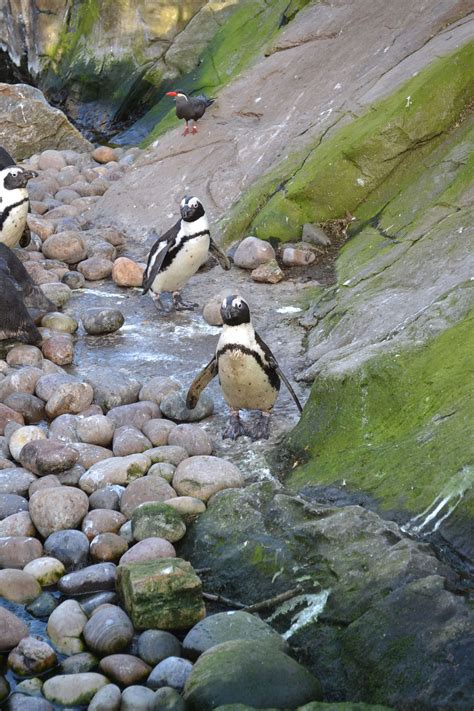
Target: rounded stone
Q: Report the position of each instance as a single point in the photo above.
(102, 249)
(165, 470)
(47, 385)
(25, 355)
(22, 436)
(94, 578)
(294, 257)
(31, 656)
(142, 490)
(107, 547)
(174, 407)
(58, 349)
(30, 687)
(148, 549)
(108, 631)
(269, 273)
(24, 702)
(137, 698)
(97, 321)
(47, 571)
(193, 438)
(58, 321)
(18, 586)
(44, 457)
(187, 506)
(119, 470)
(51, 159)
(65, 626)
(17, 524)
(106, 498)
(73, 689)
(134, 414)
(158, 388)
(15, 480)
(226, 626)
(8, 415)
(154, 519)
(12, 630)
(17, 551)
(172, 672)
(104, 154)
(11, 504)
(108, 698)
(78, 663)
(58, 293)
(67, 246)
(158, 431)
(58, 509)
(73, 279)
(43, 605)
(31, 408)
(70, 547)
(129, 440)
(97, 429)
(156, 645)
(126, 272)
(168, 699)
(124, 669)
(252, 252)
(102, 521)
(94, 269)
(69, 398)
(203, 476)
(171, 454)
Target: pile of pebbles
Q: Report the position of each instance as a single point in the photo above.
(92, 476)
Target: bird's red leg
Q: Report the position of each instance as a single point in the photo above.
(195, 128)
(186, 129)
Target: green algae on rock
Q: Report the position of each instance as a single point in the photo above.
(162, 594)
(338, 174)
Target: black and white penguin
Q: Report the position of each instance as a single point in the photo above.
(248, 372)
(190, 108)
(179, 253)
(15, 321)
(14, 202)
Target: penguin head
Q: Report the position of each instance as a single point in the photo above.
(191, 209)
(235, 310)
(178, 95)
(15, 177)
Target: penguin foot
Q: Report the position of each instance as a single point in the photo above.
(262, 429)
(159, 305)
(234, 428)
(194, 129)
(181, 305)
(186, 130)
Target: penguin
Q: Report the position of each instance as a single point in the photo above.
(14, 202)
(179, 253)
(32, 295)
(190, 108)
(15, 321)
(248, 372)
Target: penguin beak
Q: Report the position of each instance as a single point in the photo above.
(186, 211)
(28, 174)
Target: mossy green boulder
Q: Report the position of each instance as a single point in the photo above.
(163, 594)
(249, 672)
(154, 518)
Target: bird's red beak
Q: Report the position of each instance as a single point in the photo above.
(171, 93)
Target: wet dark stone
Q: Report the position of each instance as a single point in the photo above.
(93, 578)
(43, 605)
(10, 504)
(173, 407)
(74, 280)
(71, 547)
(98, 320)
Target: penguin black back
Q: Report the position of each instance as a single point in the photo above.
(15, 321)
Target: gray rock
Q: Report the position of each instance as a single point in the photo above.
(315, 235)
(78, 663)
(137, 698)
(249, 673)
(168, 699)
(157, 388)
(95, 268)
(156, 519)
(90, 454)
(158, 431)
(69, 398)
(16, 481)
(118, 470)
(172, 671)
(44, 457)
(112, 387)
(136, 414)
(165, 470)
(70, 547)
(174, 407)
(23, 702)
(108, 631)
(156, 645)
(89, 603)
(47, 385)
(11, 504)
(252, 252)
(17, 551)
(193, 438)
(72, 476)
(57, 321)
(58, 508)
(203, 476)
(73, 279)
(94, 578)
(226, 626)
(96, 429)
(73, 689)
(106, 699)
(171, 454)
(129, 440)
(107, 498)
(64, 428)
(29, 406)
(142, 490)
(43, 605)
(97, 321)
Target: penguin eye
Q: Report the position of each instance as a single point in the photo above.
(193, 203)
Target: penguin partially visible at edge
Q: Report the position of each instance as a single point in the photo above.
(15, 321)
(248, 372)
(177, 255)
(14, 201)
(33, 296)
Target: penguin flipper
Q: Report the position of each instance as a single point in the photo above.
(5, 159)
(222, 258)
(157, 254)
(272, 361)
(200, 382)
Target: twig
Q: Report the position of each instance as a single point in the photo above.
(272, 601)
(224, 600)
(202, 571)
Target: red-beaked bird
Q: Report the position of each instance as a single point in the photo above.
(190, 108)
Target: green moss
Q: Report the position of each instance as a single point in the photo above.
(342, 172)
(399, 427)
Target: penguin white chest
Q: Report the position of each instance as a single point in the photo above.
(14, 224)
(244, 383)
(184, 264)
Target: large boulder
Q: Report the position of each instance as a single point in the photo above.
(28, 124)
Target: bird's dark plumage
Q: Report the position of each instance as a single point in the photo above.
(15, 321)
(32, 295)
(190, 108)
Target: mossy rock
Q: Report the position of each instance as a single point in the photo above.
(154, 518)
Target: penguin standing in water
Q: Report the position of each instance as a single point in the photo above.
(190, 108)
(14, 201)
(177, 255)
(248, 372)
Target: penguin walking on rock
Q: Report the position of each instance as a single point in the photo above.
(248, 372)
(14, 201)
(190, 108)
(177, 255)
